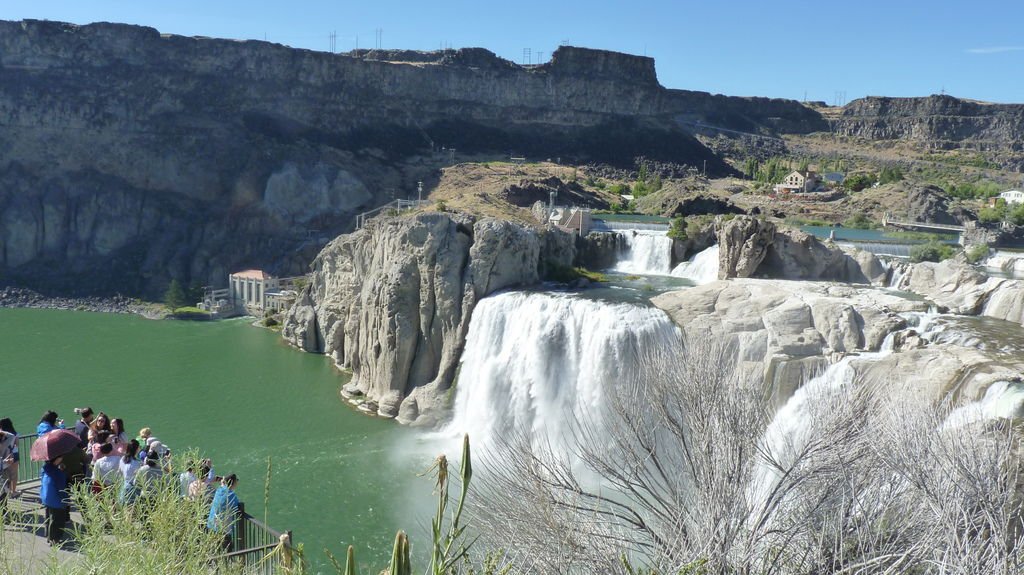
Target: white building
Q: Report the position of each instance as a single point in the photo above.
(249, 289)
(1012, 197)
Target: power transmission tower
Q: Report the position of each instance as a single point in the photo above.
(527, 56)
(333, 40)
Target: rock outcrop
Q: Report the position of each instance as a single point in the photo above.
(938, 121)
(961, 289)
(392, 301)
(788, 330)
(752, 247)
(931, 204)
(743, 244)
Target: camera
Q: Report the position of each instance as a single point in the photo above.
(78, 411)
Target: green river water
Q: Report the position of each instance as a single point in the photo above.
(239, 395)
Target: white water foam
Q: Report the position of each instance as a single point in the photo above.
(799, 421)
(647, 253)
(533, 361)
(1003, 399)
(702, 268)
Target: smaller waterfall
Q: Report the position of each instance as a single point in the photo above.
(1003, 399)
(702, 268)
(800, 419)
(881, 248)
(897, 273)
(647, 253)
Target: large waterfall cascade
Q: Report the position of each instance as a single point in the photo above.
(535, 359)
(647, 252)
(702, 267)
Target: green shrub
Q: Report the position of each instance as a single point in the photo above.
(620, 189)
(932, 251)
(976, 253)
(859, 221)
(992, 215)
(677, 230)
(890, 174)
(858, 182)
(441, 206)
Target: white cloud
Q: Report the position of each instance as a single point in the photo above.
(994, 49)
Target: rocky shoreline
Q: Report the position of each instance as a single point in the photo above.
(15, 297)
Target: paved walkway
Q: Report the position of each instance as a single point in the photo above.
(23, 546)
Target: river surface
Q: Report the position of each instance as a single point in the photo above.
(239, 395)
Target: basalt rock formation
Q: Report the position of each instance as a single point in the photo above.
(392, 301)
(153, 156)
(941, 121)
(752, 247)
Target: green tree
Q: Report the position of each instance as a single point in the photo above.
(677, 230)
(858, 182)
(175, 296)
(890, 174)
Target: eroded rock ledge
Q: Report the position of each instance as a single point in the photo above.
(392, 301)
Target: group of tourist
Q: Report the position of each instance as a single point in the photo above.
(107, 458)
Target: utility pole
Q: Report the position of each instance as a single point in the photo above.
(419, 190)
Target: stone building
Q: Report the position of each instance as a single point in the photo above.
(799, 181)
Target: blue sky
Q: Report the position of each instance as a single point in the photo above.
(748, 48)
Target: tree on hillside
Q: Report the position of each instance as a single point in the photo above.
(175, 296)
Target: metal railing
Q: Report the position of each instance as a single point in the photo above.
(397, 205)
(28, 470)
(259, 548)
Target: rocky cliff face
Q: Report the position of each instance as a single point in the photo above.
(392, 301)
(161, 156)
(938, 121)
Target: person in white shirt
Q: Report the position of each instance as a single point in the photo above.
(105, 468)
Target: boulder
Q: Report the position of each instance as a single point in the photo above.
(743, 244)
(750, 247)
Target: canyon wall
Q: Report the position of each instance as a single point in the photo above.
(939, 121)
(157, 156)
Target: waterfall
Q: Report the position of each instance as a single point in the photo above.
(647, 253)
(897, 273)
(702, 268)
(881, 248)
(534, 360)
(800, 420)
(1003, 399)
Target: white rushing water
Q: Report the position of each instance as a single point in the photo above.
(647, 252)
(534, 360)
(801, 419)
(1001, 399)
(702, 268)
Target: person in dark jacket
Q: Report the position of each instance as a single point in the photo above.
(83, 425)
(53, 492)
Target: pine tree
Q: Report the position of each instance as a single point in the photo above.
(174, 297)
